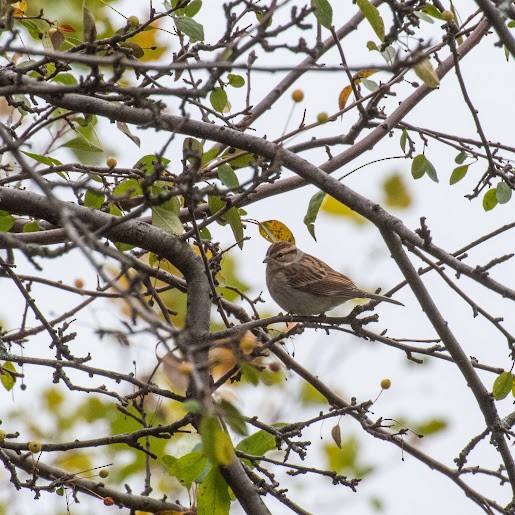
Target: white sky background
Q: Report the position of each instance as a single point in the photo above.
(355, 367)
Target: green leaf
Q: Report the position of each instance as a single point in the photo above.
(128, 188)
(32, 29)
(234, 418)
(490, 199)
(236, 81)
(192, 8)
(403, 140)
(32, 227)
(502, 385)
(310, 395)
(371, 85)
(6, 221)
(460, 157)
(209, 155)
(189, 467)
(218, 99)
(234, 219)
(421, 166)
(227, 176)
(432, 11)
(373, 17)
(216, 442)
(8, 380)
(192, 150)
(503, 193)
(312, 212)
(192, 29)
(166, 217)
(431, 426)
(82, 144)
(150, 162)
(94, 199)
(423, 16)
(46, 160)
(215, 204)
(259, 443)
(323, 12)
(192, 406)
(213, 495)
(249, 372)
(458, 173)
(65, 78)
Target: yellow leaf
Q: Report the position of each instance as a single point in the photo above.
(344, 96)
(396, 192)
(425, 71)
(147, 40)
(273, 230)
(363, 74)
(334, 207)
(224, 451)
(347, 90)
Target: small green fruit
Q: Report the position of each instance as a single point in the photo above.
(35, 447)
(322, 117)
(133, 21)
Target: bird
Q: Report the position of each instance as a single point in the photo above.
(304, 285)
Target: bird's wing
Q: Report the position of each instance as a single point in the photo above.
(320, 279)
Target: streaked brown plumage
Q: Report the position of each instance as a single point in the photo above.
(305, 285)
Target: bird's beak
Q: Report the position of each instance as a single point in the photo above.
(267, 259)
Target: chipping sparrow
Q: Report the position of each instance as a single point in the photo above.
(305, 285)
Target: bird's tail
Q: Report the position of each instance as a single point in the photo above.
(383, 298)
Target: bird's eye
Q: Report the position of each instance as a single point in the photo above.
(280, 255)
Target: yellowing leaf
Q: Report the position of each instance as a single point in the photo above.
(396, 192)
(224, 450)
(273, 230)
(8, 375)
(147, 40)
(425, 71)
(373, 17)
(334, 207)
(344, 96)
(217, 442)
(347, 90)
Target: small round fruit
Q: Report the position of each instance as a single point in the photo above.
(448, 16)
(3, 434)
(103, 473)
(322, 117)
(79, 283)
(34, 447)
(133, 21)
(108, 501)
(297, 95)
(385, 384)
(274, 366)
(111, 162)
